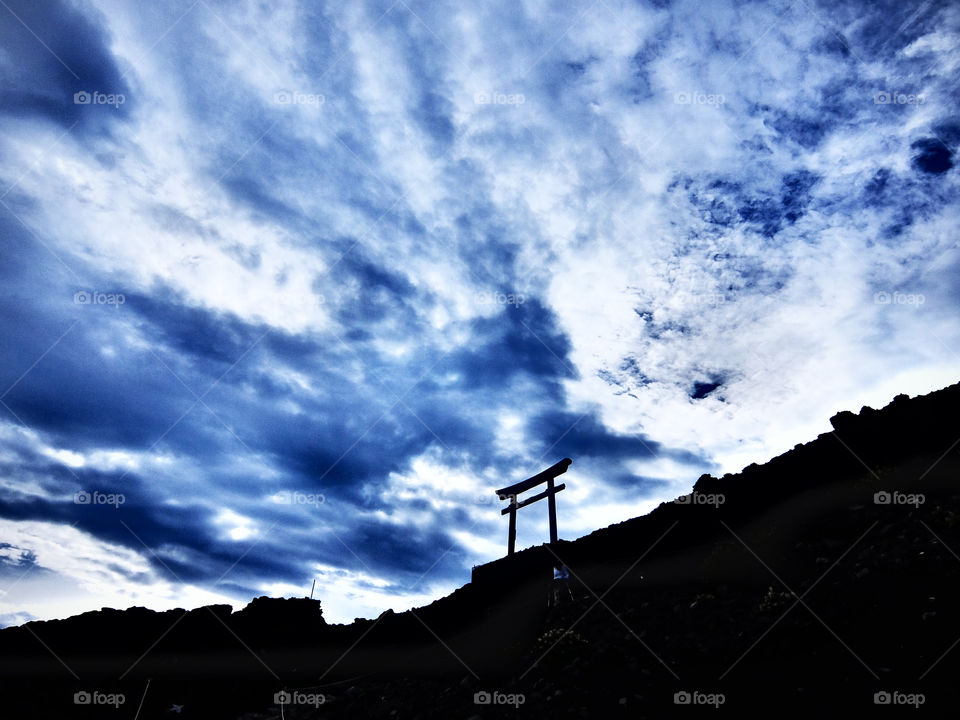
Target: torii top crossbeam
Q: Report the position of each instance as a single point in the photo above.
(511, 492)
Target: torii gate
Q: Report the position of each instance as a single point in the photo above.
(511, 492)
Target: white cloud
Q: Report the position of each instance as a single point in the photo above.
(76, 572)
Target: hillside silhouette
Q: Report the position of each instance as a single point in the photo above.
(825, 579)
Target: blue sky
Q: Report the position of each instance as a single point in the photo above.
(287, 289)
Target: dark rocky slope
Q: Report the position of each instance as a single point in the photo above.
(801, 591)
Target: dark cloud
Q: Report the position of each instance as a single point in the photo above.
(433, 111)
(703, 389)
(795, 193)
(14, 557)
(765, 213)
(519, 340)
(572, 435)
(52, 51)
(877, 31)
(808, 132)
(766, 204)
(877, 191)
(931, 156)
(252, 193)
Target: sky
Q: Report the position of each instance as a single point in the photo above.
(288, 289)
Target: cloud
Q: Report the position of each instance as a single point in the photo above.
(397, 256)
(56, 64)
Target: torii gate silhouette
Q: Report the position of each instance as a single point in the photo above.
(510, 493)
